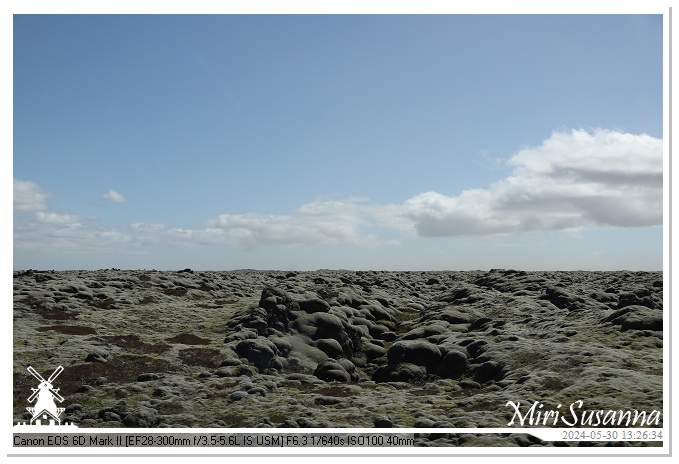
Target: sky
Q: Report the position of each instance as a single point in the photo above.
(303, 142)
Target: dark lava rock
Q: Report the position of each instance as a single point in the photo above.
(230, 362)
(441, 325)
(257, 391)
(409, 365)
(375, 330)
(455, 316)
(388, 336)
(328, 326)
(161, 392)
(464, 294)
(476, 348)
(375, 312)
(373, 351)
(120, 409)
(327, 400)
(241, 335)
(110, 417)
(331, 370)
(423, 423)
(563, 299)
(99, 356)
(350, 299)
(640, 297)
(141, 417)
(273, 312)
(238, 395)
(314, 305)
(234, 371)
(635, 317)
(468, 384)
(404, 372)
(480, 324)
(453, 365)
(73, 408)
(418, 352)
(424, 332)
(383, 422)
(489, 370)
(282, 345)
(329, 346)
(301, 422)
(260, 352)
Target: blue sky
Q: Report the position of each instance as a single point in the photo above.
(330, 141)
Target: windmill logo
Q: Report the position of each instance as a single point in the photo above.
(44, 396)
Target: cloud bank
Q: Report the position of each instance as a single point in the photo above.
(337, 223)
(575, 180)
(572, 181)
(29, 196)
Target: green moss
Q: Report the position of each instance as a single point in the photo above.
(555, 383)
(277, 418)
(336, 391)
(446, 406)
(526, 358)
(407, 314)
(135, 344)
(170, 408)
(235, 420)
(148, 299)
(92, 404)
(207, 306)
(107, 303)
(69, 329)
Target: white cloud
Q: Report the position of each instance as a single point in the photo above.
(29, 196)
(50, 217)
(332, 222)
(573, 180)
(114, 196)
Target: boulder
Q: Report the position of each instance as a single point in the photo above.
(329, 346)
(636, 317)
(426, 331)
(319, 326)
(453, 364)
(404, 372)
(260, 352)
(314, 305)
(418, 352)
(373, 351)
(331, 370)
(640, 297)
(489, 371)
(454, 316)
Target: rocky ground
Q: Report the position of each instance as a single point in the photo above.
(338, 348)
